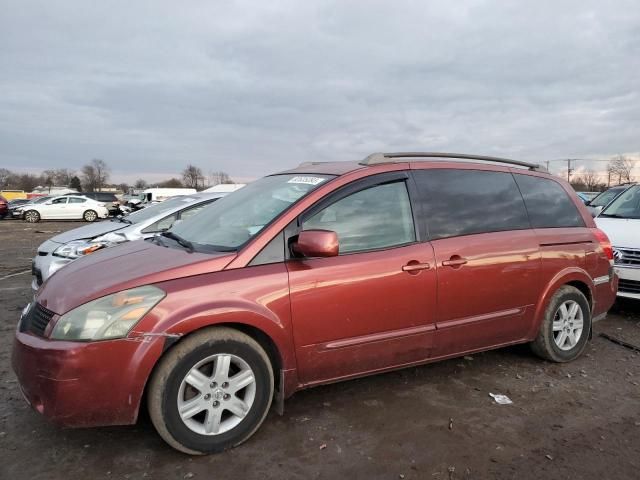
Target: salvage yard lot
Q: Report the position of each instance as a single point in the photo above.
(577, 420)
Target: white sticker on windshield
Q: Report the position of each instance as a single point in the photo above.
(307, 180)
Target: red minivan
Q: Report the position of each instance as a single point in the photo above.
(326, 272)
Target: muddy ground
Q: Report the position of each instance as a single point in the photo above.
(579, 420)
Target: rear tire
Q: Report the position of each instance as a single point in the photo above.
(90, 216)
(31, 216)
(223, 409)
(566, 326)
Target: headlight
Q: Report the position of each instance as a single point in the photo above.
(79, 248)
(108, 317)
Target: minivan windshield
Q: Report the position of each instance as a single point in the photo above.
(233, 220)
(159, 208)
(626, 205)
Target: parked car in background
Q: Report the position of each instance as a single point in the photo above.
(620, 220)
(66, 207)
(108, 199)
(63, 249)
(586, 197)
(4, 207)
(596, 205)
(17, 210)
(322, 273)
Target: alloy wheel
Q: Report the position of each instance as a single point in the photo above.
(216, 394)
(567, 325)
(31, 216)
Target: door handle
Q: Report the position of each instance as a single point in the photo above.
(414, 267)
(454, 261)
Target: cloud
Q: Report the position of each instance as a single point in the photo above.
(254, 87)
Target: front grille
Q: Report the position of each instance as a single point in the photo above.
(628, 286)
(626, 257)
(36, 320)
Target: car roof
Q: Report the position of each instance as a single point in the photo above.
(341, 168)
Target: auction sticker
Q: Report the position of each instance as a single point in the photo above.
(307, 180)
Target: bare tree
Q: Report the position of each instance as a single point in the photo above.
(590, 179)
(171, 183)
(140, 184)
(216, 178)
(621, 167)
(89, 181)
(5, 176)
(192, 176)
(95, 175)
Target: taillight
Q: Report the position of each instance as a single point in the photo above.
(605, 243)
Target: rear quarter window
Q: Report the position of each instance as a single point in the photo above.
(548, 204)
(458, 202)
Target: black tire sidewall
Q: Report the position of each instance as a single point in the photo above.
(576, 296)
(216, 443)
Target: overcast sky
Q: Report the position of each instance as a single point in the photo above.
(251, 87)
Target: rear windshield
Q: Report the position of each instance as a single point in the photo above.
(235, 219)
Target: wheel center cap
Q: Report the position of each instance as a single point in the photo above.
(218, 394)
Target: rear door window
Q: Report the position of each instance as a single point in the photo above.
(458, 202)
(547, 203)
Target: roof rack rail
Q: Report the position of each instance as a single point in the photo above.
(377, 158)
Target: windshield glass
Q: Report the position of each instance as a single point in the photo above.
(626, 205)
(605, 198)
(159, 208)
(235, 219)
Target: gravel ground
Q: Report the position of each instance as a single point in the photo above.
(578, 420)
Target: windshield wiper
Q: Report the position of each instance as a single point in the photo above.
(182, 241)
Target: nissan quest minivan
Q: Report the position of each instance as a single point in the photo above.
(326, 272)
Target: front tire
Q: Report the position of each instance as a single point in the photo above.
(90, 216)
(31, 216)
(566, 326)
(211, 392)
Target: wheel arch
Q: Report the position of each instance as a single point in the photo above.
(266, 341)
(575, 277)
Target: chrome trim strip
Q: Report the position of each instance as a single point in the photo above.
(377, 337)
(601, 280)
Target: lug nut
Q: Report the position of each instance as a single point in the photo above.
(226, 396)
(225, 384)
(216, 403)
(213, 385)
(207, 396)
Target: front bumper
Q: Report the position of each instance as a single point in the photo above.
(629, 284)
(85, 384)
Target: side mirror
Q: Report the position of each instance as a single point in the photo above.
(587, 202)
(316, 243)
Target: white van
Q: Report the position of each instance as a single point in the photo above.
(161, 194)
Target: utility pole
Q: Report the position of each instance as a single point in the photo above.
(569, 169)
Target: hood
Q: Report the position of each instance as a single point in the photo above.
(623, 232)
(129, 265)
(89, 231)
